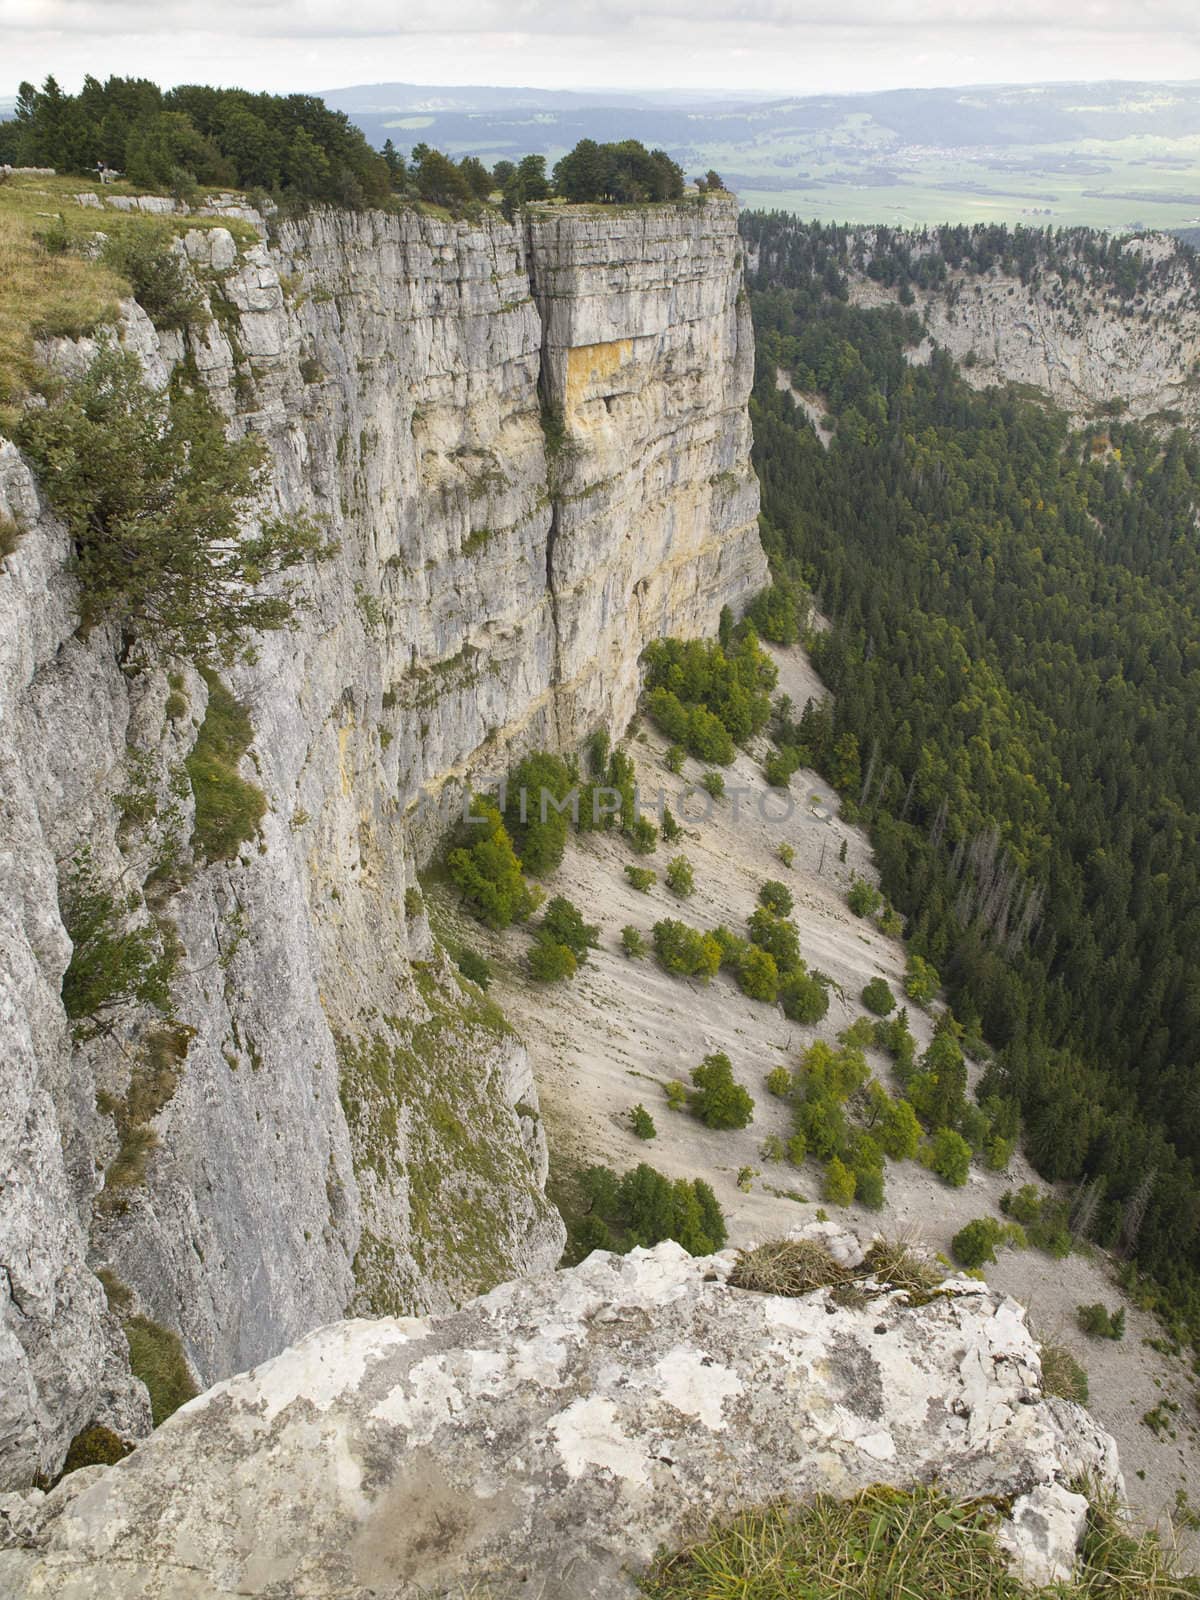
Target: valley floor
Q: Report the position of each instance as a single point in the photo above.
(622, 1029)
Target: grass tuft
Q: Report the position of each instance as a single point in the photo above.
(888, 1544)
(156, 1357)
(788, 1267)
(1062, 1375)
(896, 1263)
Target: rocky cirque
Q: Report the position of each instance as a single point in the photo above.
(547, 1438)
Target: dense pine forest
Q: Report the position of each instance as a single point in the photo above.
(1015, 660)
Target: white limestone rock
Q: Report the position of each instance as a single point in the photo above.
(547, 1438)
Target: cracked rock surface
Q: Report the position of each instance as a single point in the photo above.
(548, 1438)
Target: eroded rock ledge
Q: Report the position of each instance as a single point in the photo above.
(547, 1438)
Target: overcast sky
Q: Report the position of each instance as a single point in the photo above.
(778, 46)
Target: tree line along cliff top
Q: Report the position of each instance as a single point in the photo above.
(296, 150)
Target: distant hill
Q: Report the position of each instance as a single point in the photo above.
(375, 99)
(1041, 153)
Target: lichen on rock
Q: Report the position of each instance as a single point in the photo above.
(551, 1436)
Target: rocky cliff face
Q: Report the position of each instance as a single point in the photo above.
(549, 1438)
(1085, 347)
(531, 445)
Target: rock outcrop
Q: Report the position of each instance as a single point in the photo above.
(1084, 347)
(548, 1438)
(531, 446)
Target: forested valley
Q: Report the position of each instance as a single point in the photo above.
(1015, 664)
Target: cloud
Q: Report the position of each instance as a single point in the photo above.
(775, 45)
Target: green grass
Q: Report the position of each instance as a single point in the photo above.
(228, 809)
(885, 1544)
(1062, 1375)
(156, 1357)
(48, 286)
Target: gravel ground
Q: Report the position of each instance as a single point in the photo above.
(622, 1029)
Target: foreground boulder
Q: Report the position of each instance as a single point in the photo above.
(548, 1438)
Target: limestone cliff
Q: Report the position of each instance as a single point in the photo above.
(1079, 339)
(1085, 348)
(531, 444)
(547, 1439)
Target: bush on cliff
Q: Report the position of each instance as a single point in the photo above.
(158, 503)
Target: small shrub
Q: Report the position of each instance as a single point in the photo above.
(863, 898)
(642, 1122)
(681, 879)
(1100, 1323)
(839, 1183)
(718, 1100)
(746, 1177)
(797, 1149)
(112, 964)
(779, 1082)
(414, 902)
(772, 1148)
(676, 1094)
(643, 879)
(921, 980)
(563, 924)
(550, 962)
(786, 854)
(975, 1245)
(788, 1267)
(486, 871)
(670, 828)
(950, 1157)
(1043, 1216)
(642, 835)
(713, 784)
(10, 535)
(776, 896)
(144, 254)
(780, 765)
(476, 967)
(675, 758)
(632, 942)
(96, 1446)
(869, 1186)
(890, 923)
(803, 997)
(1062, 1375)
(878, 997)
(997, 1154)
(685, 951)
(898, 1131)
(758, 974)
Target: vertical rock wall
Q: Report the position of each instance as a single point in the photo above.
(531, 445)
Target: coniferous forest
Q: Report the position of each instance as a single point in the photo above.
(1015, 664)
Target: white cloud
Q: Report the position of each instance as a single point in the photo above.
(774, 45)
